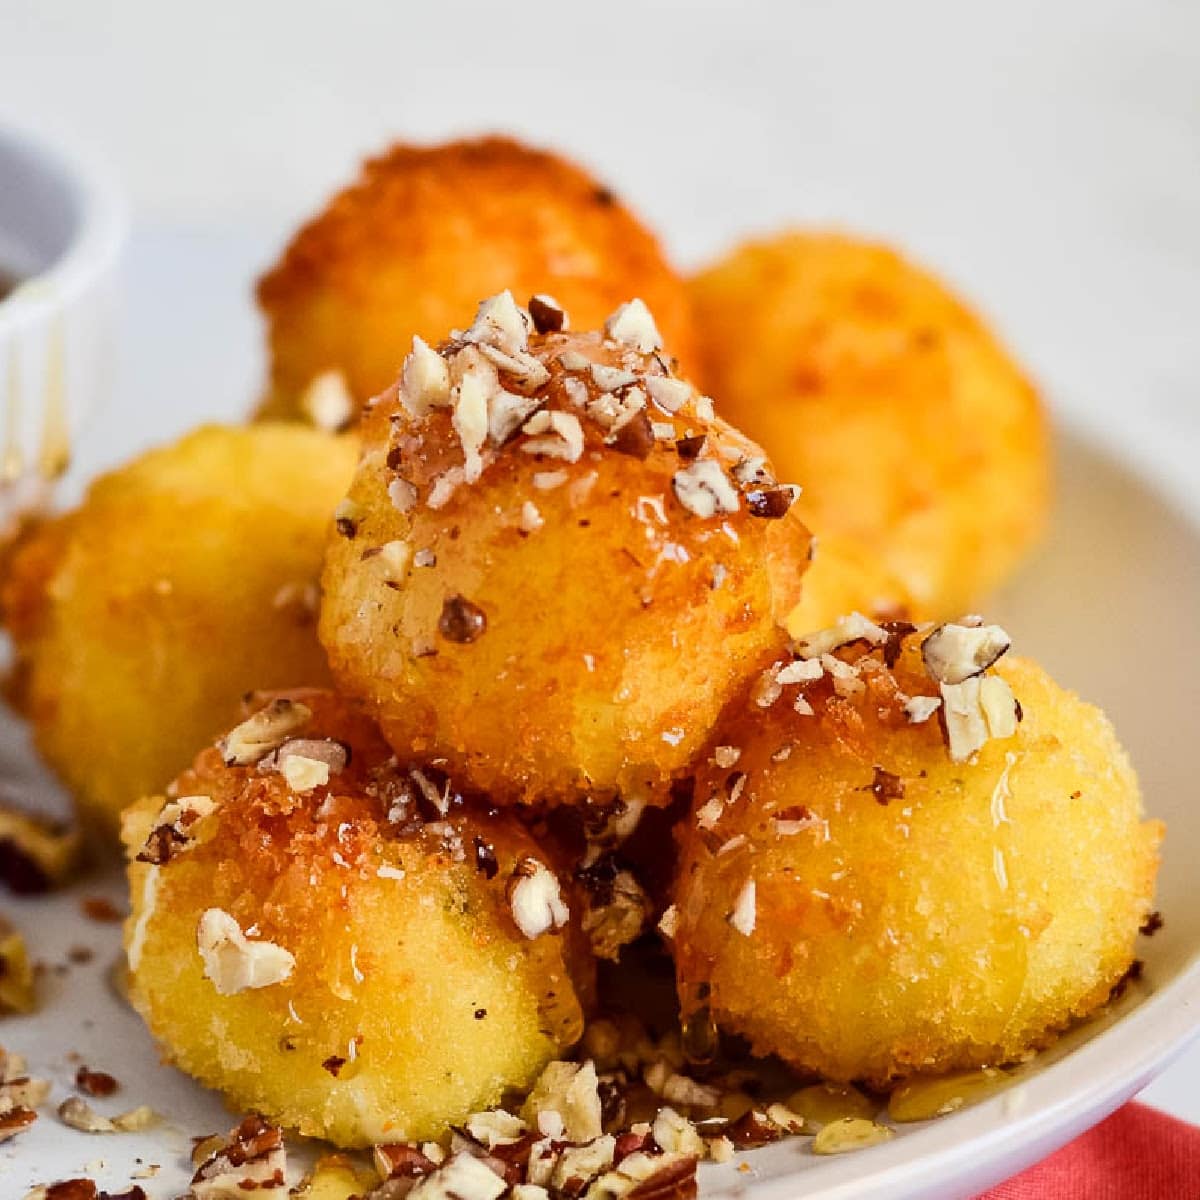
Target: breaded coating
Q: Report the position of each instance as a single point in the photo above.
(423, 234)
(358, 953)
(184, 579)
(856, 901)
(555, 565)
(870, 384)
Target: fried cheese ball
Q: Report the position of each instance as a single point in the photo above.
(353, 951)
(183, 580)
(908, 425)
(424, 232)
(868, 902)
(555, 564)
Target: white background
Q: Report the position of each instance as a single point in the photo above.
(1043, 156)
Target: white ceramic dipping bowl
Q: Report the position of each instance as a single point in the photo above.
(62, 228)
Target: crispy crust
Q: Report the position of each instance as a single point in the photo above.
(918, 915)
(869, 382)
(425, 233)
(184, 578)
(413, 998)
(611, 633)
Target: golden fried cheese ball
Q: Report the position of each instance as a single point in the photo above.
(555, 564)
(872, 887)
(184, 579)
(424, 232)
(907, 424)
(355, 952)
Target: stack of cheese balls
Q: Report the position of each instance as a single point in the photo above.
(543, 583)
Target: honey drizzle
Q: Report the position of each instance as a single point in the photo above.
(924, 1099)
(55, 454)
(698, 1032)
(823, 1103)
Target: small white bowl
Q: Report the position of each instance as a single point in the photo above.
(62, 227)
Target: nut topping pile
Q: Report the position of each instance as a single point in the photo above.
(520, 381)
(957, 656)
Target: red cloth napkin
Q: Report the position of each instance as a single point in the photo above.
(1136, 1154)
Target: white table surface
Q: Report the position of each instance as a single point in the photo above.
(1046, 158)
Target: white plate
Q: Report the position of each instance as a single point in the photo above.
(1109, 604)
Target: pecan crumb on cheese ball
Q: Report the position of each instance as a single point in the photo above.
(555, 563)
(416, 241)
(907, 856)
(910, 426)
(185, 578)
(353, 950)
